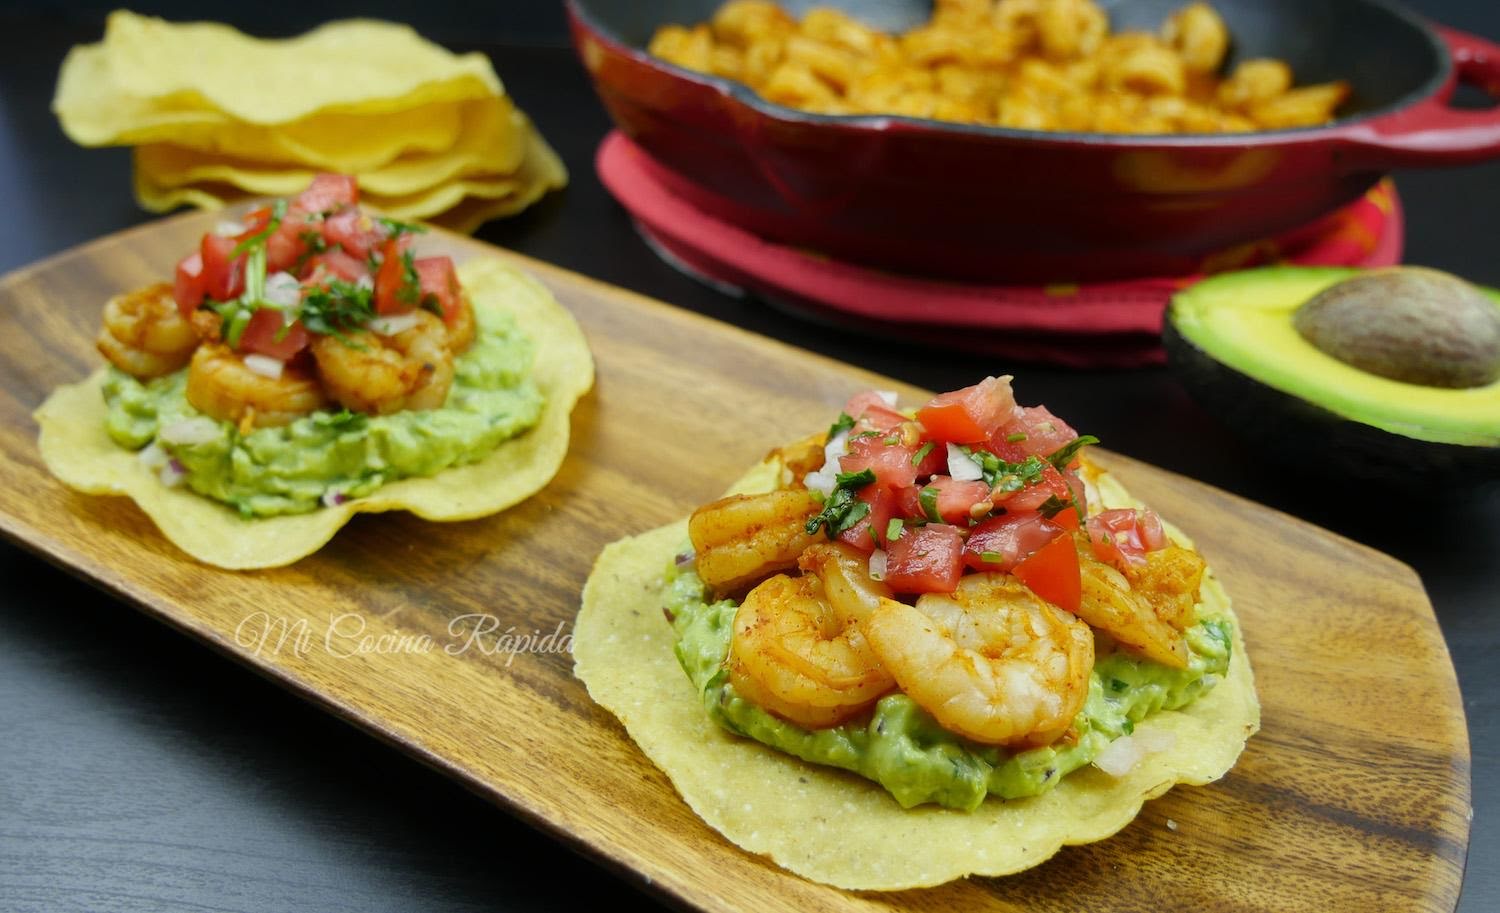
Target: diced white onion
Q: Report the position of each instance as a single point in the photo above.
(823, 480)
(152, 457)
(282, 289)
(265, 366)
(366, 282)
(962, 466)
(877, 564)
(836, 447)
(190, 431)
(172, 474)
(1122, 755)
(395, 323)
(889, 396)
(229, 229)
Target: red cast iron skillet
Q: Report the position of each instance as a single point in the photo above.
(997, 204)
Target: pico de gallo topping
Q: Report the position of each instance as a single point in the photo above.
(972, 482)
(313, 264)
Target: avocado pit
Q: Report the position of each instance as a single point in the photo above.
(1418, 326)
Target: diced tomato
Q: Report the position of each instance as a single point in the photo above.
(871, 408)
(953, 500)
(328, 192)
(391, 277)
(1036, 431)
(286, 245)
(999, 544)
(188, 287)
(354, 231)
(1080, 494)
(337, 264)
(223, 274)
(925, 559)
(261, 332)
(935, 462)
(970, 415)
(439, 280)
(1053, 484)
(892, 463)
(254, 221)
(1123, 536)
(872, 526)
(1052, 573)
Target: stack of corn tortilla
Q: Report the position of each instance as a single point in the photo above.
(217, 116)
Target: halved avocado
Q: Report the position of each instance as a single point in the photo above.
(1232, 340)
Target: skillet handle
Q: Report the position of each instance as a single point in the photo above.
(1430, 132)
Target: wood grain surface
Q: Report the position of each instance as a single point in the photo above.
(1354, 796)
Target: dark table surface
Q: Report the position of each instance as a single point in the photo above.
(140, 771)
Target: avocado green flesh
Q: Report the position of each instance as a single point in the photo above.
(1244, 321)
(905, 750)
(290, 469)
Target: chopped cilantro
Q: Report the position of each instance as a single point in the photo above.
(892, 441)
(313, 244)
(341, 420)
(920, 455)
(410, 290)
(1015, 438)
(1005, 477)
(1117, 686)
(395, 228)
(893, 530)
(258, 240)
(842, 424)
(928, 497)
(1128, 726)
(1064, 455)
(992, 557)
(1054, 506)
(336, 307)
(843, 508)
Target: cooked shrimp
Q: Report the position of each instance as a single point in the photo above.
(367, 372)
(1144, 611)
(144, 335)
(221, 386)
(1169, 581)
(792, 655)
(742, 538)
(990, 661)
(463, 328)
(799, 458)
(845, 572)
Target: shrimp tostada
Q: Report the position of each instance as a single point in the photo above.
(955, 605)
(308, 364)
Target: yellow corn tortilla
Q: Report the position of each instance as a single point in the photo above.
(461, 205)
(833, 827)
(541, 171)
(330, 140)
(493, 142)
(79, 452)
(359, 66)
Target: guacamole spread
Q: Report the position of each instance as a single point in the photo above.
(904, 749)
(328, 457)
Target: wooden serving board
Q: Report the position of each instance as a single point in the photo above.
(1354, 796)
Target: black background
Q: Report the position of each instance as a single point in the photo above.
(140, 771)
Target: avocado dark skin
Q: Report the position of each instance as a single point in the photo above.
(1310, 438)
